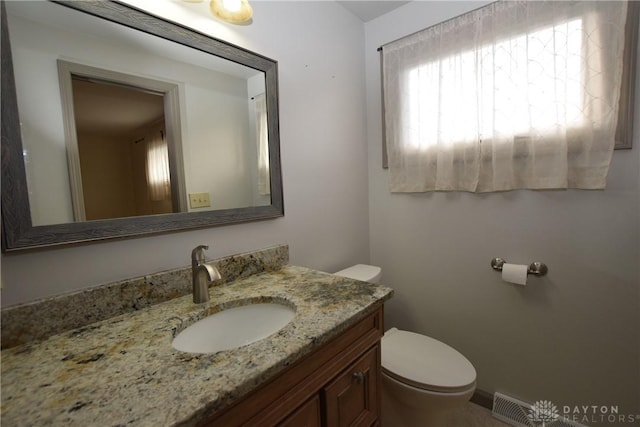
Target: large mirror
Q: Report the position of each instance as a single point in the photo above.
(118, 123)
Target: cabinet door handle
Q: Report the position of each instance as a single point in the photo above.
(358, 377)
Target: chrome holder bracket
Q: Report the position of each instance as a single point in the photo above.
(535, 268)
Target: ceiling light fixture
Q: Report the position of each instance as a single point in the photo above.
(232, 11)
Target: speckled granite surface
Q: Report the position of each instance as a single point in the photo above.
(41, 319)
(124, 371)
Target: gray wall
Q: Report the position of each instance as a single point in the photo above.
(571, 337)
(323, 150)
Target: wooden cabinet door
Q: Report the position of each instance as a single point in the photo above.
(352, 399)
(308, 415)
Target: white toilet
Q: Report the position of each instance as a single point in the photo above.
(422, 378)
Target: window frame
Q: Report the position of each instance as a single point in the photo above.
(625, 127)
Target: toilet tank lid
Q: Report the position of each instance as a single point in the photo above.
(425, 363)
(364, 272)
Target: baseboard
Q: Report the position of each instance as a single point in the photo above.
(483, 398)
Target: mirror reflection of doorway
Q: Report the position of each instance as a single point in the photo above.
(123, 143)
(122, 148)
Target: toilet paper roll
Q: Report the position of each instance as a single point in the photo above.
(515, 273)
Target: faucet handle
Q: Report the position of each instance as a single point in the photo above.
(197, 254)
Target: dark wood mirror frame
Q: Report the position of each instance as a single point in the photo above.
(18, 232)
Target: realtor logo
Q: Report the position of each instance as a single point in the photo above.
(543, 412)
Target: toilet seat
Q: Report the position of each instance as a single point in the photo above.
(425, 363)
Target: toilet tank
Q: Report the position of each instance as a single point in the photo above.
(366, 273)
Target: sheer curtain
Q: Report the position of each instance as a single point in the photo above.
(517, 94)
(157, 165)
(264, 183)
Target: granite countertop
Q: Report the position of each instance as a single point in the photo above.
(124, 371)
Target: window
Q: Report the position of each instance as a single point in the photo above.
(157, 167)
(512, 95)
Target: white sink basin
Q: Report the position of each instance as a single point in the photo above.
(234, 327)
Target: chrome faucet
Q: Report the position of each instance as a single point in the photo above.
(202, 275)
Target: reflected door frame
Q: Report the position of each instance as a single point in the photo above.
(171, 95)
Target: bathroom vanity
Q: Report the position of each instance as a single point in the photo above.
(338, 384)
(321, 369)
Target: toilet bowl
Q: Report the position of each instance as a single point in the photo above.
(422, 378)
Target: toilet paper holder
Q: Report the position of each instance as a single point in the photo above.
(536, 268)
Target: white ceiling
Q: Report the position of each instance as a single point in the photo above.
(368, 10)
